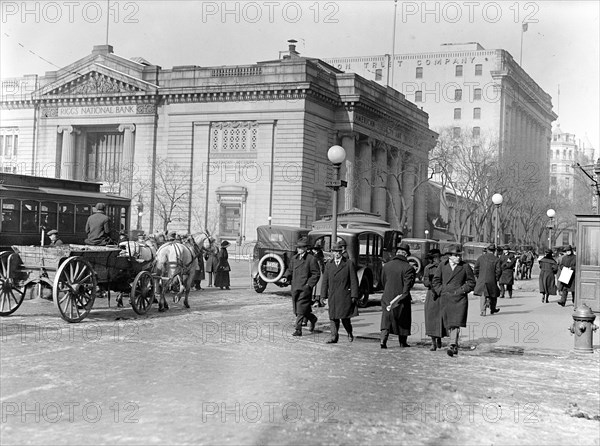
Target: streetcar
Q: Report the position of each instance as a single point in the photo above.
(32, 205)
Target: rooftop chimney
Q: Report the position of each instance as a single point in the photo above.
(102, 49)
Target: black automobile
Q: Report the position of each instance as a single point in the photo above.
(274, 248)
(368, 248)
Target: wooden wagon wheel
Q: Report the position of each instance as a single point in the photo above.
(142, 292)
(11, 295)
(74, 289)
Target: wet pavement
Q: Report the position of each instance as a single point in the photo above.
(228, 371)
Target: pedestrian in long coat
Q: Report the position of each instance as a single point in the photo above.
(548, 270)
(340, 287)
(453, 281)
(569, 260)
(487, 272)
(212, 260)
(303, 273)
(222, 276)
(433, 305)
(398, 278)
(507, 278)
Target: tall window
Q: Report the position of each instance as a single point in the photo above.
(477, 94)
(418, 96)
(458, 94)
(568, 182)
(456, 132)
(457, 113)
(478, 69)
(419, 73)
(459, 70)
(553, 167)
(378, 74)
(476, 132)
(476, 113)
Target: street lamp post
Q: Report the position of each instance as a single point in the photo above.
(497, 200)
(336, 155)
(597, 184)
(426, 234)
(551, 213)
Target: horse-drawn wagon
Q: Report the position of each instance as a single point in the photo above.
(73, 275)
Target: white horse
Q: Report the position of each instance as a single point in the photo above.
(175, 261)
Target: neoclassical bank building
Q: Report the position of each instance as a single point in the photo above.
(224, 148)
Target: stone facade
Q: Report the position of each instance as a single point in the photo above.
(234, 146)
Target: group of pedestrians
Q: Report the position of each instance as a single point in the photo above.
(565, 269)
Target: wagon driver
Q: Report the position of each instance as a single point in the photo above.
(97, 227)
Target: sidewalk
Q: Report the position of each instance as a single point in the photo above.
(523, 325)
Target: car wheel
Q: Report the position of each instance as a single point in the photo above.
(363, 293)
(259, 284)
(416, 264)
(276, 265)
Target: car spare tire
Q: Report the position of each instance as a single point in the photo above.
(415, 263)
(271, 268)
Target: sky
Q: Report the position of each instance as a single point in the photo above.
(560, 47)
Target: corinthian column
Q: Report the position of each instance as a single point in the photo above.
(365, 175)
(395, 209)
(379, 191)
(68, 156)
(348, 143)
(126, 176)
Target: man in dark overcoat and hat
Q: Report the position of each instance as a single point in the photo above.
(433, 308)
(397, 278)
(340, 287)
(303, 272)
(487, 272)
(453, 281)
(98, 228)
(569, 260)
(508, 263)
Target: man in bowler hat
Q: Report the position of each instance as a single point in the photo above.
(397, 277)
(303, 272)
(487, 271)
(340, 287)
(453, 281)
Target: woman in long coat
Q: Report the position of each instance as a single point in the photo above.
(507, 278)
(222, 276)
(548, 270)
(212, 261)
(453, 285)
(340, 287)
(433, 307)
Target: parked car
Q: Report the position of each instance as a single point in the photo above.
(419, 253)
(472, 251)
(368, 247)
(274, 248)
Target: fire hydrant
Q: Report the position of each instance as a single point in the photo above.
(583, 328)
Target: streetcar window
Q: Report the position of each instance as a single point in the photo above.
(123, 219)
(30, 215)
(49, 215)
(66, 218)
(82, 214)
(11, 220)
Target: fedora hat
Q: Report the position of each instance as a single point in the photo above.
(338, 246)
(302, 243)
(404, 247)
(52, 232)
(434, 252)
(491, 247)
(453, 249)
(225, 244)
(568, 248)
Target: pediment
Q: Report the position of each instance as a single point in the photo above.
(96, 80)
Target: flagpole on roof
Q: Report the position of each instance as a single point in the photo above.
(107, 18)
(524, 27)
(393, 48)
